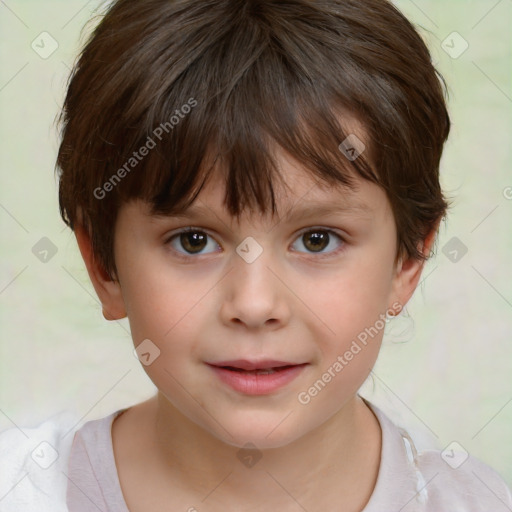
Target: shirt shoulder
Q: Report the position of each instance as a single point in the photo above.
(430, 480)
(93, 480)
(33, 463)
(456, 477)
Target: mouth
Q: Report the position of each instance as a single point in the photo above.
(260, 371)
(257, 377)
(262, 366)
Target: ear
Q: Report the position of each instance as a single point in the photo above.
(108, 291)
(408, 273)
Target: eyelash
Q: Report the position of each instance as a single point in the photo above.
(313, 229)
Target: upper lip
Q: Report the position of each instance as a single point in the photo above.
(245, 364)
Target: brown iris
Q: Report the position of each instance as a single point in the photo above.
(318, 240)
(193, 241)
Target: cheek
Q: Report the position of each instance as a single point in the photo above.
(350, 300)
(167, 311)
(155, 301)
(168, 308)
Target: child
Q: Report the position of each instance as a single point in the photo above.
(300, 142)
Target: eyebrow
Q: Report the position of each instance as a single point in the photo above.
(317, 209)
(312, 209)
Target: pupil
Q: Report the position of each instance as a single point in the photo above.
(319, 240)
(192, 241)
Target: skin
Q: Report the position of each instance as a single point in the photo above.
(289, 304)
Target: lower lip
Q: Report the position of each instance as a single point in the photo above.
(252, 384)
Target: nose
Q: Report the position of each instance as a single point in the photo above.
(254, 295)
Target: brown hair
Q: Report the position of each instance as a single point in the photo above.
(226, 79)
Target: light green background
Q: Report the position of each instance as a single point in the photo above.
(445, 369)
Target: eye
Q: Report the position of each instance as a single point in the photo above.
(192, 240)
(315, 240)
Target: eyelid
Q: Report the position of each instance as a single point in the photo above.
(186, 229)
(336, 231)
(342, 234)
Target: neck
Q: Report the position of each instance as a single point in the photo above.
(343, 454)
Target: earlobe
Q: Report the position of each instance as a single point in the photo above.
(408, 271)
(108, 291)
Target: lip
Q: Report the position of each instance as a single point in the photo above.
(262, 364)
(258, 384)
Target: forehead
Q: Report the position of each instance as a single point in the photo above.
(302, 194)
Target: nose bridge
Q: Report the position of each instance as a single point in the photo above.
(254, 295)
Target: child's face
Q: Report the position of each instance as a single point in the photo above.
(290, 304)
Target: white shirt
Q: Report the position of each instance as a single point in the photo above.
(86, 473)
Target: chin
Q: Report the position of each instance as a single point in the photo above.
(263, 435)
